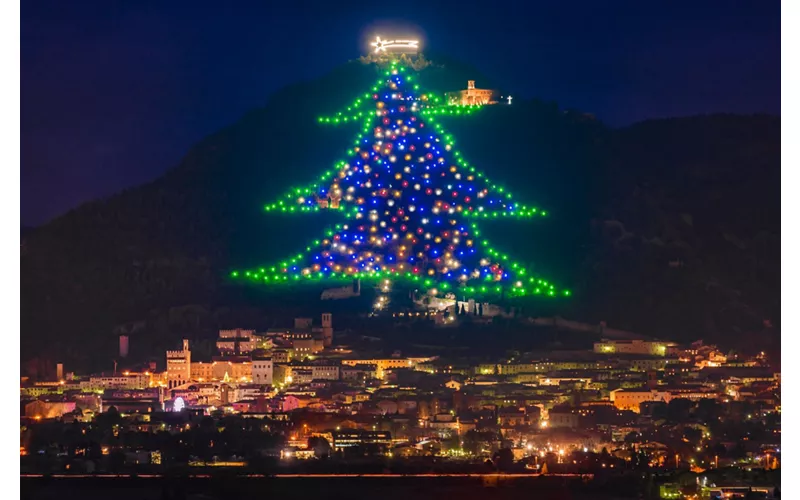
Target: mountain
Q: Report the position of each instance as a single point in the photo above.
(668, 227)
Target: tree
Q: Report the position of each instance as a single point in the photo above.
(475, 440)
(321, 447)
(503, 459)
(116, 460)
(678, 409)
(708, 410)
(659, 410)
(409, 199)
(632, 437)
(692, 434)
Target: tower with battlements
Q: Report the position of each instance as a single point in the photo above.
(179, 366)
(327, 329)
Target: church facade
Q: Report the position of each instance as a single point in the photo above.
(471, 96)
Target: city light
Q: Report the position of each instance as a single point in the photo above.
(442, 361)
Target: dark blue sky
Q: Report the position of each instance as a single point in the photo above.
(115, 92)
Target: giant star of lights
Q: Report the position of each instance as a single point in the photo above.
(412, 204)
(382, 45)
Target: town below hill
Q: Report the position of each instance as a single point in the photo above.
(628, 416)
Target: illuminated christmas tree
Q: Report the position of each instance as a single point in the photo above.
(412, 204)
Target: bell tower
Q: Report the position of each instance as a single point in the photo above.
(327, 329)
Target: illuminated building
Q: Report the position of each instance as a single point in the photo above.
(629, 399)
(563, 417)
(262, 371)
(646, 365)
(236, 342)
(305, 345)
(179, 368)
(342, 292)
(327, 329)
(652, 348)
(304, 373)
(359, 372)
(281, 355)
(246, 392)
(143, 401)
(202, 371)
(238, 369)
(48, 409)
(300, 375)
(382, 365)
(305, 339)
(348, 438)
(325, 372)
(122, 381)
(471, 96)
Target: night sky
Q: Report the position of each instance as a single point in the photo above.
(115, 92)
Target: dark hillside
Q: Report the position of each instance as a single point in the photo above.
(153, 260)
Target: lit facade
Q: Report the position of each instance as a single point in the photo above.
(304, 347)
(629, 399)
(237, 371)
(651, 348)
(327, 329)
(124, 381)
(471, 96)
(382, 365)
(348, 438)
(236, 341)
(202, 371)
(262, 371)
(179, 366)
(48, 409)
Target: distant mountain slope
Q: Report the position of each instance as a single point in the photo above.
(153, 260)
(688, 238)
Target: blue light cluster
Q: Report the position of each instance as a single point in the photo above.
(407, 195)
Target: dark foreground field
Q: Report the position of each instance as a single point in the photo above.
(322, 487)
